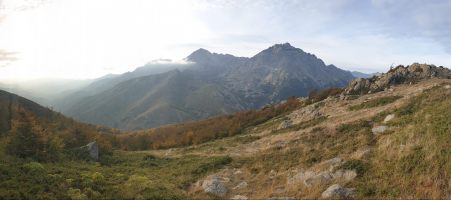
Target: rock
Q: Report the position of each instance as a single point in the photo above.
(243, 184)
(336, 191)
(301, 176)
(237, 172)
(214, 186)
(447, 86)
(272, 173)
(347, 175)
(398, 75)
(361, 154)
(240, 197)
(304, 114)
(319, 179)
(389, 117)
(285, 124)
(379, 129)
(281, 198)
(90, 150)
(334, 161)
(168, 152)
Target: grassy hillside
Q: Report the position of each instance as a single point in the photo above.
(30, 131)
(298, 149)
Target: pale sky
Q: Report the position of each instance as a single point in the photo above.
(90, 38)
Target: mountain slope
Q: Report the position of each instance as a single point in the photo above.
(157, 99)
(390, 143)
(29, 130)
(213, 84)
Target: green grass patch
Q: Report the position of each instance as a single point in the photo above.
(375, 103)
(358, 165)
(128, 176)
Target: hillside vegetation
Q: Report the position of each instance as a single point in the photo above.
(382, 137)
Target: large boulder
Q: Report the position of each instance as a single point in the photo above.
(214, 186)
(336, 191)
(89, 151)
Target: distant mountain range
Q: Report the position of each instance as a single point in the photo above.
(210, 84)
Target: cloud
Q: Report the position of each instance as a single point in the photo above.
(7, 56)
(416, 18)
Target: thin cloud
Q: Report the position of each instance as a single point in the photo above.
(7, 56)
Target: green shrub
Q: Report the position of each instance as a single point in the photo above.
(354, 126)
(76, 194)
(358, 165)
(34, 168)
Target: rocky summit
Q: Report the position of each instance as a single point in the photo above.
(398, 75)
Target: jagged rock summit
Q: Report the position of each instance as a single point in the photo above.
(398, 75)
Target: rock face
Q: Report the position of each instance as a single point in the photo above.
(336, 191)
(397, 75)
(214, 186)
(213, 84)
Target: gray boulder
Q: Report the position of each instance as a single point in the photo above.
(336, 191)
(379, 129)
(214, 186)
(389, 118)
(240, 197)
(90, 150)
(240, 185)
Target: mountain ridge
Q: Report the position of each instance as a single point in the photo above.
(228, 82)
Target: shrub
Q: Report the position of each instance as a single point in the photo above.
(135, 185)
(76, 194)
(358, 165)
(315, 95)
(354, 126)
(34, 168)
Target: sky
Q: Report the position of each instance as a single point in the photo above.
(77, 39)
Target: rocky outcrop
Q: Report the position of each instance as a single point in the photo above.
(311, 178)
(398, 75)
(240, 197)
(214, 186)
(336, 191)
(305, 114)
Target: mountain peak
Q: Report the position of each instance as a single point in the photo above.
(284, 49)
(199, 54)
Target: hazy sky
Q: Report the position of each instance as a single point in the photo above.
(89, 38)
